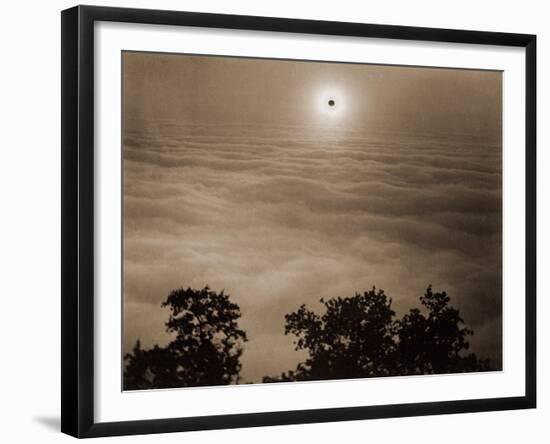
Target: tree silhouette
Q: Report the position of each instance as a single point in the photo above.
(206, 349)
(354, 337)
(358, 337)
(433, 342)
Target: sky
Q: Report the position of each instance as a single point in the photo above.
(238, 174)
(230, 89)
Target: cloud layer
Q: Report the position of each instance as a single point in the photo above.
(283, 215)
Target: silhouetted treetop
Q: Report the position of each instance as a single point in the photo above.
(203, 314)
(359, 337)
(206, 349)
(352, 339)
(432, 342)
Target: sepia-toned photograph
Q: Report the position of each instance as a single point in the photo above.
(291, 221)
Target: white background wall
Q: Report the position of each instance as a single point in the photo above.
(30, 218)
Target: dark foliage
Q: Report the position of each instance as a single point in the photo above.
(206, 349)
(359, 337)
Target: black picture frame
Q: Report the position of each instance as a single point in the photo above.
(77, 358)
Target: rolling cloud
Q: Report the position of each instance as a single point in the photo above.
(278, 221)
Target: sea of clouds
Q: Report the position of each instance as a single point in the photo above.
(278, 216)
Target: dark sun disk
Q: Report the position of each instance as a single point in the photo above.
(331, 102)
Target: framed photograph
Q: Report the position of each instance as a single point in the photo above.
(275, 221)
